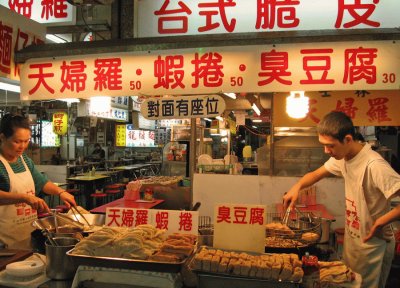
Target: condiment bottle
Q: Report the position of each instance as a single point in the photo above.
(311, 277)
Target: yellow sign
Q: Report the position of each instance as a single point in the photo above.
(60, 123)
(120, 135)
(240, 227)
(365, 108)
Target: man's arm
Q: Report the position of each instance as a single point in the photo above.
(385, 219)
(307, 180)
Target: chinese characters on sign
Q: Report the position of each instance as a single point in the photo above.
(60, 123)
(286, 67)
(242, 222)
(16, 33)
(171, 220)
(365, 108)
(183, 107)
(112, 113)
(120, 135)
(175, 17)
(43, 11)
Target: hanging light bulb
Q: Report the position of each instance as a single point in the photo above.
(100, 104)
(297, 105)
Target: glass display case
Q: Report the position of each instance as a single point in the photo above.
(175, 160)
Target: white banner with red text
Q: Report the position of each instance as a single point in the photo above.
(173, 221)
(174, 17)
(16, 33)
(372, 65)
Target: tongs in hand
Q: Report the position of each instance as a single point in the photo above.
(73, 209)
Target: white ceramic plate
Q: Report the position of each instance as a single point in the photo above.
(205, 159)
(25, 268)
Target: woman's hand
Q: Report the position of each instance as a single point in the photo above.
(68, 199)
(36, 203)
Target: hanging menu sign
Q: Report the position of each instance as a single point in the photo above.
(183, 107)
(159, 18)
(361, 65)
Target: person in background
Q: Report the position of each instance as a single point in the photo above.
(98, 153)
(370, 184)
(20, 182)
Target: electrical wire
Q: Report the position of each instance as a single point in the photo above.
(251, 130)
(87, 26)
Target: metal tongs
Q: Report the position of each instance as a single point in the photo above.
(286, 216)
(74, 209)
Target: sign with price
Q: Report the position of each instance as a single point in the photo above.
(324, 66)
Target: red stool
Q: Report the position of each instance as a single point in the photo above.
(98, 199)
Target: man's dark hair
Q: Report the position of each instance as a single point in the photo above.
(337, 125)
(9, 123)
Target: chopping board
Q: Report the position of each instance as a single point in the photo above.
(18, 256)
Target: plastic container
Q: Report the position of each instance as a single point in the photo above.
(132, 195)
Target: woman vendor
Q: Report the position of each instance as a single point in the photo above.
(20, 182)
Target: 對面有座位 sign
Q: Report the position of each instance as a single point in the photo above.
(240, 227)
(183, 107)
(173, 221)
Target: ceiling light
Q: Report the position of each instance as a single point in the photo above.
(55, 38)
(256, 109)
(207, 119)
(256, 120)
(255, 127)
(297, 105)
(219, 118)
(230, 95)
(10, 87)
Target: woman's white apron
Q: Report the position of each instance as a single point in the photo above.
(16, 219)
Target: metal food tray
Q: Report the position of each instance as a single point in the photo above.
(206, 280)
(123, 263)
(298, 222)
(225, 280)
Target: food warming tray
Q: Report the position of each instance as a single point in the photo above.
(206, 280)
(224, 280)
(123, 263)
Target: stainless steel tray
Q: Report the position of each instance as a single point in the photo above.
(123, 263)
(222, 280)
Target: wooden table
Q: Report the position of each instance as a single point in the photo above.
(122, 203)
(132, 170)
(89, 182)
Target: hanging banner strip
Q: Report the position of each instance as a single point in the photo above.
(372, 65)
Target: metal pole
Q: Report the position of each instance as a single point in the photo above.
(192, 156)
